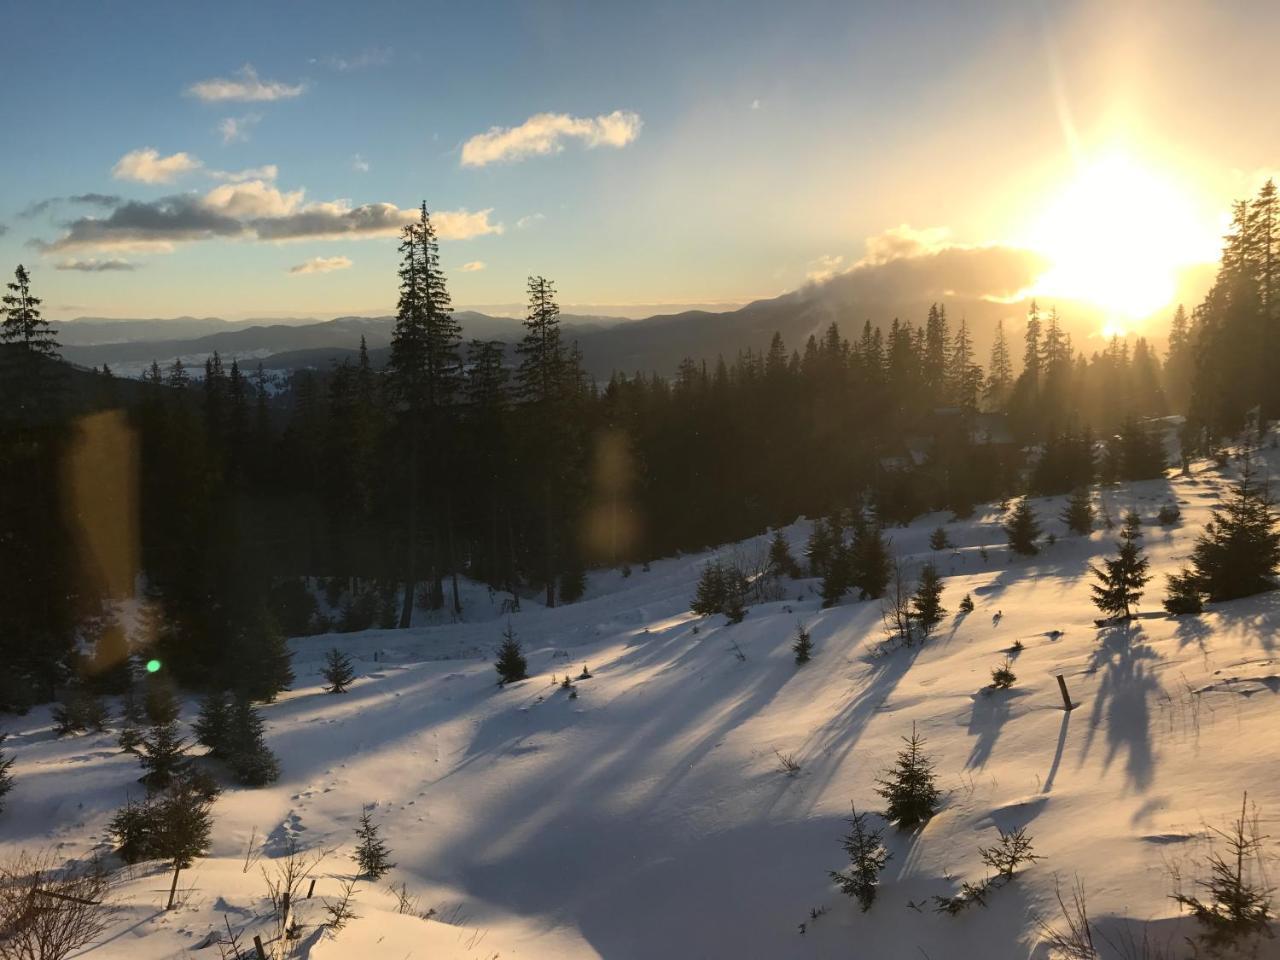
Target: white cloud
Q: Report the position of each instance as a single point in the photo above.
(94, 265)
(244, 86)
(755, 104)
(464, 224)
(370, 57)
(525, 222)
(543, 133)
(359, 164)
(267, 171)
(474, 266)
(147, 166)
(252, 200)
(236, 129)
(321, 265)
(824, 268)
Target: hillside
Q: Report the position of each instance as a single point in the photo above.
(648, 816)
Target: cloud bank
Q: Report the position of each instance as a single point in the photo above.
(545, 133)
(93, 265)
(321, 265)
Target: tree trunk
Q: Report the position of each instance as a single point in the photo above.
(406, 606)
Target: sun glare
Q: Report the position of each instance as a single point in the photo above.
(1118, 236)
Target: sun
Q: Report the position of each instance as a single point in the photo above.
(1118, 236)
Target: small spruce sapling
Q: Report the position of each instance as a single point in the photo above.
(966, 604)
(338, 671)
(511, 664)
(1078, 513)
(867, 858)
(1002, 677)
(1011, 851)
(781, 562)
(1121, 580)
(803, 646)
(1185, 594)
(910, 787)
(372, 855)
(80, 710)
(926, 604)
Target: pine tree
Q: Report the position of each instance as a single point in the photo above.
(938, 540)
(213, 722)
(1184, 594)
(80, 710)
(1000, 372)
(1120, 584)
(160, 703)
(338, 671)
(803, 646)
(735, 594)
(926, 604)
(6, 777)
(817, 551)
(910, 787)
(966, 603)
(781, 562)
(709, 596)
(372, 855)
(247, 752)
(835, 582)
(29, 372)
(1078, 513)
(872, 562)
(510, 663)
(1022, 529)
(867, 859)
(1239, 551)
(163, 755)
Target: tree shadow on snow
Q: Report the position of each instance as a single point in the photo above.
(1122, 700)
(991, 710)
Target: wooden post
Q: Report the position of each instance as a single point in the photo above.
(257, 945)
(311, 889)
(1066, 697)
(173, 888)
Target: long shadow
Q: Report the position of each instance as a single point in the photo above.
(991, 710)
(1122, 700)
(1057, 754)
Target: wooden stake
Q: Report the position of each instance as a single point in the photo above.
(173, 888)
(1066, 697)
(311, 889)
(257, 944)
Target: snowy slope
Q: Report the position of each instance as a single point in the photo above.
(648, 817)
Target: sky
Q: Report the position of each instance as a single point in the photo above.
(257, 159)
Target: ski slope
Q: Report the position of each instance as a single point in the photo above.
(648, 816)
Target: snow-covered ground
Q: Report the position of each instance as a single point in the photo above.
(648, 817)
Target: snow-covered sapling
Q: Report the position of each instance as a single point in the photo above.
(511, 664)
(372, 855)
(1002, 677)
(867, 857)
(910, 787)
(803, 646)
(338, 671)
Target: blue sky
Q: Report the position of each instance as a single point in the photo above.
(706, 151)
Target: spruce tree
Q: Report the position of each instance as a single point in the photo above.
(80, 710)
(1239, 551)
(1184, 594)
(1022, 529)
(709, 596)
(510, 663)
(867, 859)
(966, 603)
(803, 646)
(338, 671)
(1078, 513)
(6, 777)
(1120, 584)
(213, 723)
(372, 855)
(910, 787)
(735, 594)
(817, 551)
(835, 581)
(29, 371)
(781, 562)
(163, 755)
(938, 540)
(926, 604)
(247, 752)
(871, 562)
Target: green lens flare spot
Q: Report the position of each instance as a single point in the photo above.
(153, 666)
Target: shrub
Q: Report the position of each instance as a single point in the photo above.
(1002, 677)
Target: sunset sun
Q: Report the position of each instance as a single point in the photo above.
(1117, 236)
